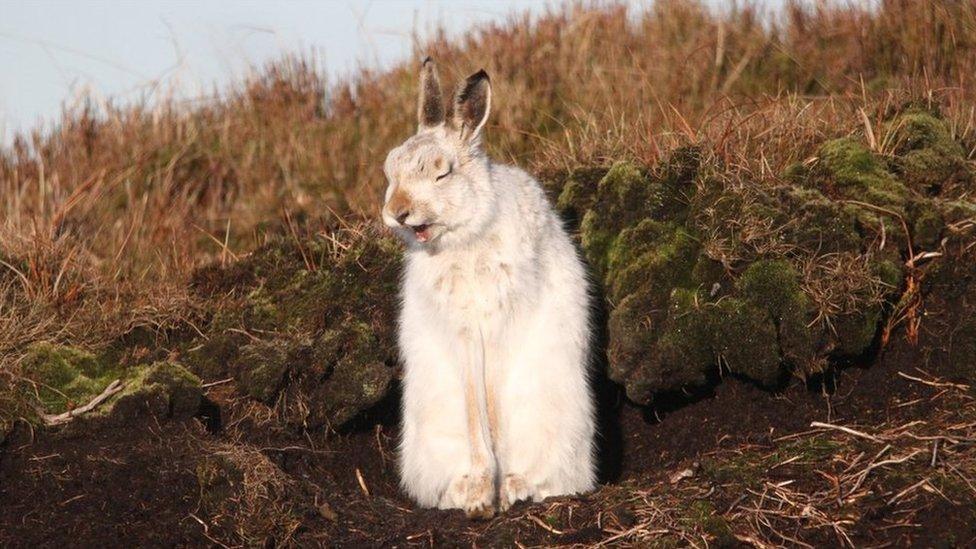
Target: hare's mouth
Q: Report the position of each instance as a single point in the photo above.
(421, 232)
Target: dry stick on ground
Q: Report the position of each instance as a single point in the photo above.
(59, 419)
(847, 430)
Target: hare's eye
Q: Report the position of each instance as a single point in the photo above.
(450, 170)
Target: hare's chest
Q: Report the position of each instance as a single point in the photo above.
(479, 288)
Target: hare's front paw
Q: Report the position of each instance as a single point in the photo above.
(474, 493)
(513, 488)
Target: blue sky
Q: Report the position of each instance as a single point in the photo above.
(51, 51)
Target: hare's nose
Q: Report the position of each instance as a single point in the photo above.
(402, 216)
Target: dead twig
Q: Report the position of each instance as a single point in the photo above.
(543, 525)
(935, 383)
(362, 482)
(59, 419)
(847, 430)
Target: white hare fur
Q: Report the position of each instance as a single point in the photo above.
(494, 326)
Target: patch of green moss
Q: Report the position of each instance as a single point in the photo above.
(649, 265)
(263, 368)
(578, 192)
(855, 173)
(927, 157)
(856, 331)
(359, 373)
(165, 389)
(818, 223)
(654, 254)
(796, 173)
(956, 210)
(66, 377)
(621, 196)
(628, 194)
(927, 225)
(633, 328)
(684, 353)
(774, 287)
(707, 273)
(889, 273)
(745, 337)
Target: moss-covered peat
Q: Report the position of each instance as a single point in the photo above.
(705, 277)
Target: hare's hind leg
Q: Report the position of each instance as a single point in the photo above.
(445, 458)
(433, 438)
(546, 423)
(475, 492)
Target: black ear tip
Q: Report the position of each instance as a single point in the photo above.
(427, 62)
(478, 76)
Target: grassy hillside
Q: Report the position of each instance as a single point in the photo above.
(771, 197)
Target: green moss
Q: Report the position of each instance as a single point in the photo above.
(955, 210)
(263, 368)
(627, 195)
(796, 173)
(166, 389)
(685, 353)
(648, 235)
(890, 273)
(926, 155)
(633, 328)
(818, 223)
(578, 193)
(360, 375)
(855, 331)
(708, 272)
(855, 173)
(214, 358)
(927, 224)
(745, 337)
(66, 377)
(624, 185)
(659, 255)
(681, 346)
(773, 285)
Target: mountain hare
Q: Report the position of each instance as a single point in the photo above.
(494, 321)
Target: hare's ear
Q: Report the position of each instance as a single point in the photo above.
(472, 105)
(430, 108)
